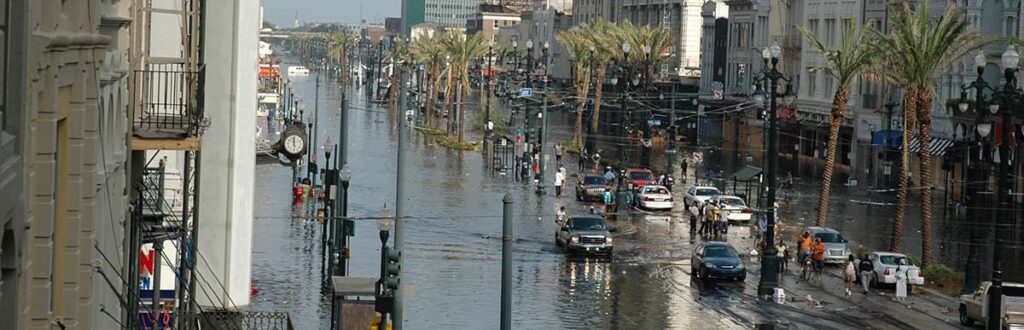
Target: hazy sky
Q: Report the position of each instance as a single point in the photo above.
(282, 12)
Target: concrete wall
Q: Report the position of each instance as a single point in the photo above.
(74, 176)
(228, 158)
(12, 210)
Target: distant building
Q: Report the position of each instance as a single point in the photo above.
(373, 33)
(713, 42)
(393, 26)
(423, 30)
(489, 18)
(444, 13)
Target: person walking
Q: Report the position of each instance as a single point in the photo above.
(558, 153)
(609, 175)
(901, 280)
(705, 226)
(783, 256)
(805, 247)
(516, 168)
(596, 157)
(683, 165)
(560, 216)
(559, 182)
(582, 160)
(694, 215)
(866, 268)
(716, 218)
(608, 200)
(849, 274)
(818, 257)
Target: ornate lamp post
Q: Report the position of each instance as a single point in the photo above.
(976, 179)
(621, 193)
(770, 74)
(383, 227)
(490, 89)
(1012, 98)
(345, 175)
(542, 117)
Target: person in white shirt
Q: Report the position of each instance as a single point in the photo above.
(559, 181)
(694, 213)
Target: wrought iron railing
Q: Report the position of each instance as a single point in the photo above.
(166, 101)
(245, 320)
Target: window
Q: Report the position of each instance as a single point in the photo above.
(812, 25)
(812, 83)
(830, 32)
(829, 86)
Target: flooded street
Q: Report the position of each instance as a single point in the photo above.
(452, 260)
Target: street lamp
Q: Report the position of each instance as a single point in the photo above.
(309, 155)
(490, 89)
(345, 175)
(976, 173)
(1013, 99)
(770, 74)
(621, 193)
(384, 222)
(541, 116)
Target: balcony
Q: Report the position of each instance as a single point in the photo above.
(166, 108)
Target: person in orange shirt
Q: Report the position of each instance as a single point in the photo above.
(804, 245)
(818, 251)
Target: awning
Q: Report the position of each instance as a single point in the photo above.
(936, 146)
(747, 173)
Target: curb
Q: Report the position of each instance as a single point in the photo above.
(938, 294)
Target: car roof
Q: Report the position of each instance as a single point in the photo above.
(702, 187)
(653, 186)
(638, 169)
(594, 175)
(574, 217)
(815, 230)
(727, 196)
(715, 243)
(882, 253)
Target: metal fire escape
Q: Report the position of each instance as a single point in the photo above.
(166, 102)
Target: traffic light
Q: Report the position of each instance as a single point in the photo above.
(391, 268)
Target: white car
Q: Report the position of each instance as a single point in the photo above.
(735, 208)
(885, 264)
(654, 197)
(699, 194)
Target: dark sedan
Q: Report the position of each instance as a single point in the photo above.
(590, 188)
(717, 260)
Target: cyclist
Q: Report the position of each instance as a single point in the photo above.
(804, 246)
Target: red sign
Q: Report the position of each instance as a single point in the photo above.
(269, 72)
(146, 262)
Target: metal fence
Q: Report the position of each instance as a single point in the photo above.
(245, 320)
(165, 103)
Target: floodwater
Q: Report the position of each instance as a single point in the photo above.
(452, 259)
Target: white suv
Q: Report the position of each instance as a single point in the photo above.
(699, 194)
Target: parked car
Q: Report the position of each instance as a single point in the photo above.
(699, 194)
(884, 265)
(972, 305)
(638, 177)
(590, 187)
(717, 260)
(585, 234)
(836, 250)
(735, 207)
(653, 197)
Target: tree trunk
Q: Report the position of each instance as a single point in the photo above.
(581, 102)
(909, 108)
(464, 91)
(839, 102)
(602, 69)
(448, 93)
(924, 122)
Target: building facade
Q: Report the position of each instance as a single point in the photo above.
(73, 164)
(714, 37)
(489, 18)
(748, 35)
(450, 13)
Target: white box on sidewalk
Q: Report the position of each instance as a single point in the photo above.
(780, 296)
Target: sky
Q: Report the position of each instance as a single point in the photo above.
(282, 12)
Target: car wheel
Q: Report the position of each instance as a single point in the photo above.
(741, 278)
(964, 319)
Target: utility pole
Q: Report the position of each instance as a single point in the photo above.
(670, 167)
(506, 262)
(543, 116)
(400, 201)
(769, 261)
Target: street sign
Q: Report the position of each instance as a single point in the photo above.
(654, 122)
(525, 92)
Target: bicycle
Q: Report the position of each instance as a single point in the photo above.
(805, 273)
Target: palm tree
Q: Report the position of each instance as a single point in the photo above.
(398, 54)
(427, 50)
(852, 58)
(575, 42)
(922, 47)
(650, 42)
(602, 35)
(464, 50)
(338, 45)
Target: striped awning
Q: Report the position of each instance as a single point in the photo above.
(936, 146)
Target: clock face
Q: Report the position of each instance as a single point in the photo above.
(293, 144)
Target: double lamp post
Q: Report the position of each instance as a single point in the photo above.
(1005, 102)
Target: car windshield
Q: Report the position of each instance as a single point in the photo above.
(656, 190)
(1013, 291)
(587, 224)
(720, 252)
(892, 260)
(594, 180)
(707, 192)
(830, 237)
(733, 202)
(640, 175)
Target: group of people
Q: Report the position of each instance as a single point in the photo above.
(812, 254)
(713, 219)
